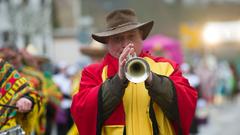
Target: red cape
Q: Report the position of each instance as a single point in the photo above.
(84, 107)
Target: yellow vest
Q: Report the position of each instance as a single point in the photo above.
(136, 103)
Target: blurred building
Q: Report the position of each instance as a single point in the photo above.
(27, 23)
(57, 27)
(71, 30)
(170, 16)
(167, 14)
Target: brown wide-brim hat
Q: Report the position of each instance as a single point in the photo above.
(95, 49)
(120, 21)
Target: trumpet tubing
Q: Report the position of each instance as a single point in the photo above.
(136, 70)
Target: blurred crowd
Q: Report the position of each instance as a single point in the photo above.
(52, 82)
(55, 82)
(26, 22)
(215, 80)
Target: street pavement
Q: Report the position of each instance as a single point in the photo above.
(224, 119)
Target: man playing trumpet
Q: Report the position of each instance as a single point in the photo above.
(108, 103)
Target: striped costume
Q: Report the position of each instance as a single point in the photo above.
(12, 87)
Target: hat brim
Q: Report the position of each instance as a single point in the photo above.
(144, 27)
(41, 59)
(93, 52)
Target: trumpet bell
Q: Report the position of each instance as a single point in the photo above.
(136, 70)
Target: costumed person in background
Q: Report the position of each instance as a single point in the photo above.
(63, 117)
(207, 70)
(234, 79)
(107, 103)
(12, 55)
(194, 81)
(36, 80)
(45, 84)
(164, 46)
(19, 103)
(95, 51)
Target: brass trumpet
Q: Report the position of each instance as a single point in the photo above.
(136, 69)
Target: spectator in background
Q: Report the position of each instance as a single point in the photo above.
(95, 51)
(194, 81)
(63, 117)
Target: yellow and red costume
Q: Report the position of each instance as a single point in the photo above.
(48, 91)
(132, 115)
(12, 87)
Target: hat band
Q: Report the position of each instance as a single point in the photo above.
(122, 25)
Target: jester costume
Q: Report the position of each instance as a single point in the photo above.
(47, 89)
(137, 113)
(13, 87)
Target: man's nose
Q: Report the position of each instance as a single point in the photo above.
(125, 42)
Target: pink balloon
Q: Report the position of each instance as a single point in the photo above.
(169, 46)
